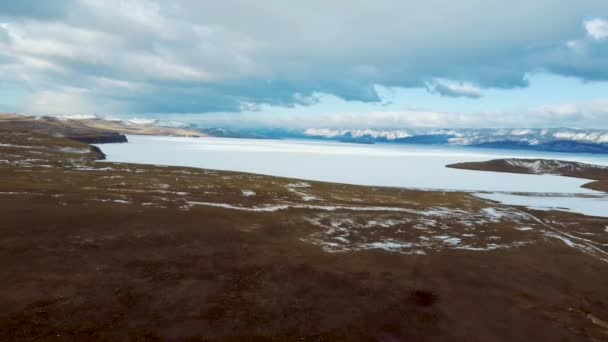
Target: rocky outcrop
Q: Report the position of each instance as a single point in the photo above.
(109, 138)
(598, 173)
(98, 153)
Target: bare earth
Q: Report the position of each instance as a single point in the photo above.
(100, 251)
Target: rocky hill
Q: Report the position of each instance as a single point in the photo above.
(597, 173)
(90, 130)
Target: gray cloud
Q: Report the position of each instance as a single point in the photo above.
(454, 89)
(578, 115)
(152, 56)
(35, 9)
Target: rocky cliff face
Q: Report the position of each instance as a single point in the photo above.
(102, 138)
(98, 153)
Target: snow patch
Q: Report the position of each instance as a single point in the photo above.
(248, 193)
(563, 238)
(298, 185)
(84, 168)
(14, 146)
(74, 150)
(389, 245)
(278, 207)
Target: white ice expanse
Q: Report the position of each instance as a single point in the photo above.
(406, 166)
(592, 205)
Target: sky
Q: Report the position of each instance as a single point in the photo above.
(338, 64)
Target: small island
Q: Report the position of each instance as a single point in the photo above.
(597, 173)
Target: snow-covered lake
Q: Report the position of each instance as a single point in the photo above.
(408, 166)
(594, 205)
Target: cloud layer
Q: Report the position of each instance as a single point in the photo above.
(187, 56)
(574, 115)
(454, 89)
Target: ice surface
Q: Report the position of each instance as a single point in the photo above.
(379, 165)
(407, 166)
(587, 205)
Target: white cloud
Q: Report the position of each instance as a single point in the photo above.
(454, 89)
(583, 115)
(188, 56)
(559, 111)
(597, 28)
(68, 100)
(119, 85)
(64, 102)
(59, 41)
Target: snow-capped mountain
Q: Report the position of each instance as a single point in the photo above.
(539, 139)
(468, 136)
(358, 133)
(157, 123)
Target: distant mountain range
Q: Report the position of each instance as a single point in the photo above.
(537, 139)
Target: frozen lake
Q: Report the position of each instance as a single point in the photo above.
(596, 205)
(406, 166)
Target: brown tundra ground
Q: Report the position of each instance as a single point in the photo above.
(104, 251)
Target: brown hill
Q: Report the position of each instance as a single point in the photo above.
(597, 173)
(92, 131)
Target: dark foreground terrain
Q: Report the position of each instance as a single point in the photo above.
(597, 173)
(99, 251)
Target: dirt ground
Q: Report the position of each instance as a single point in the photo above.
(100, 251)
